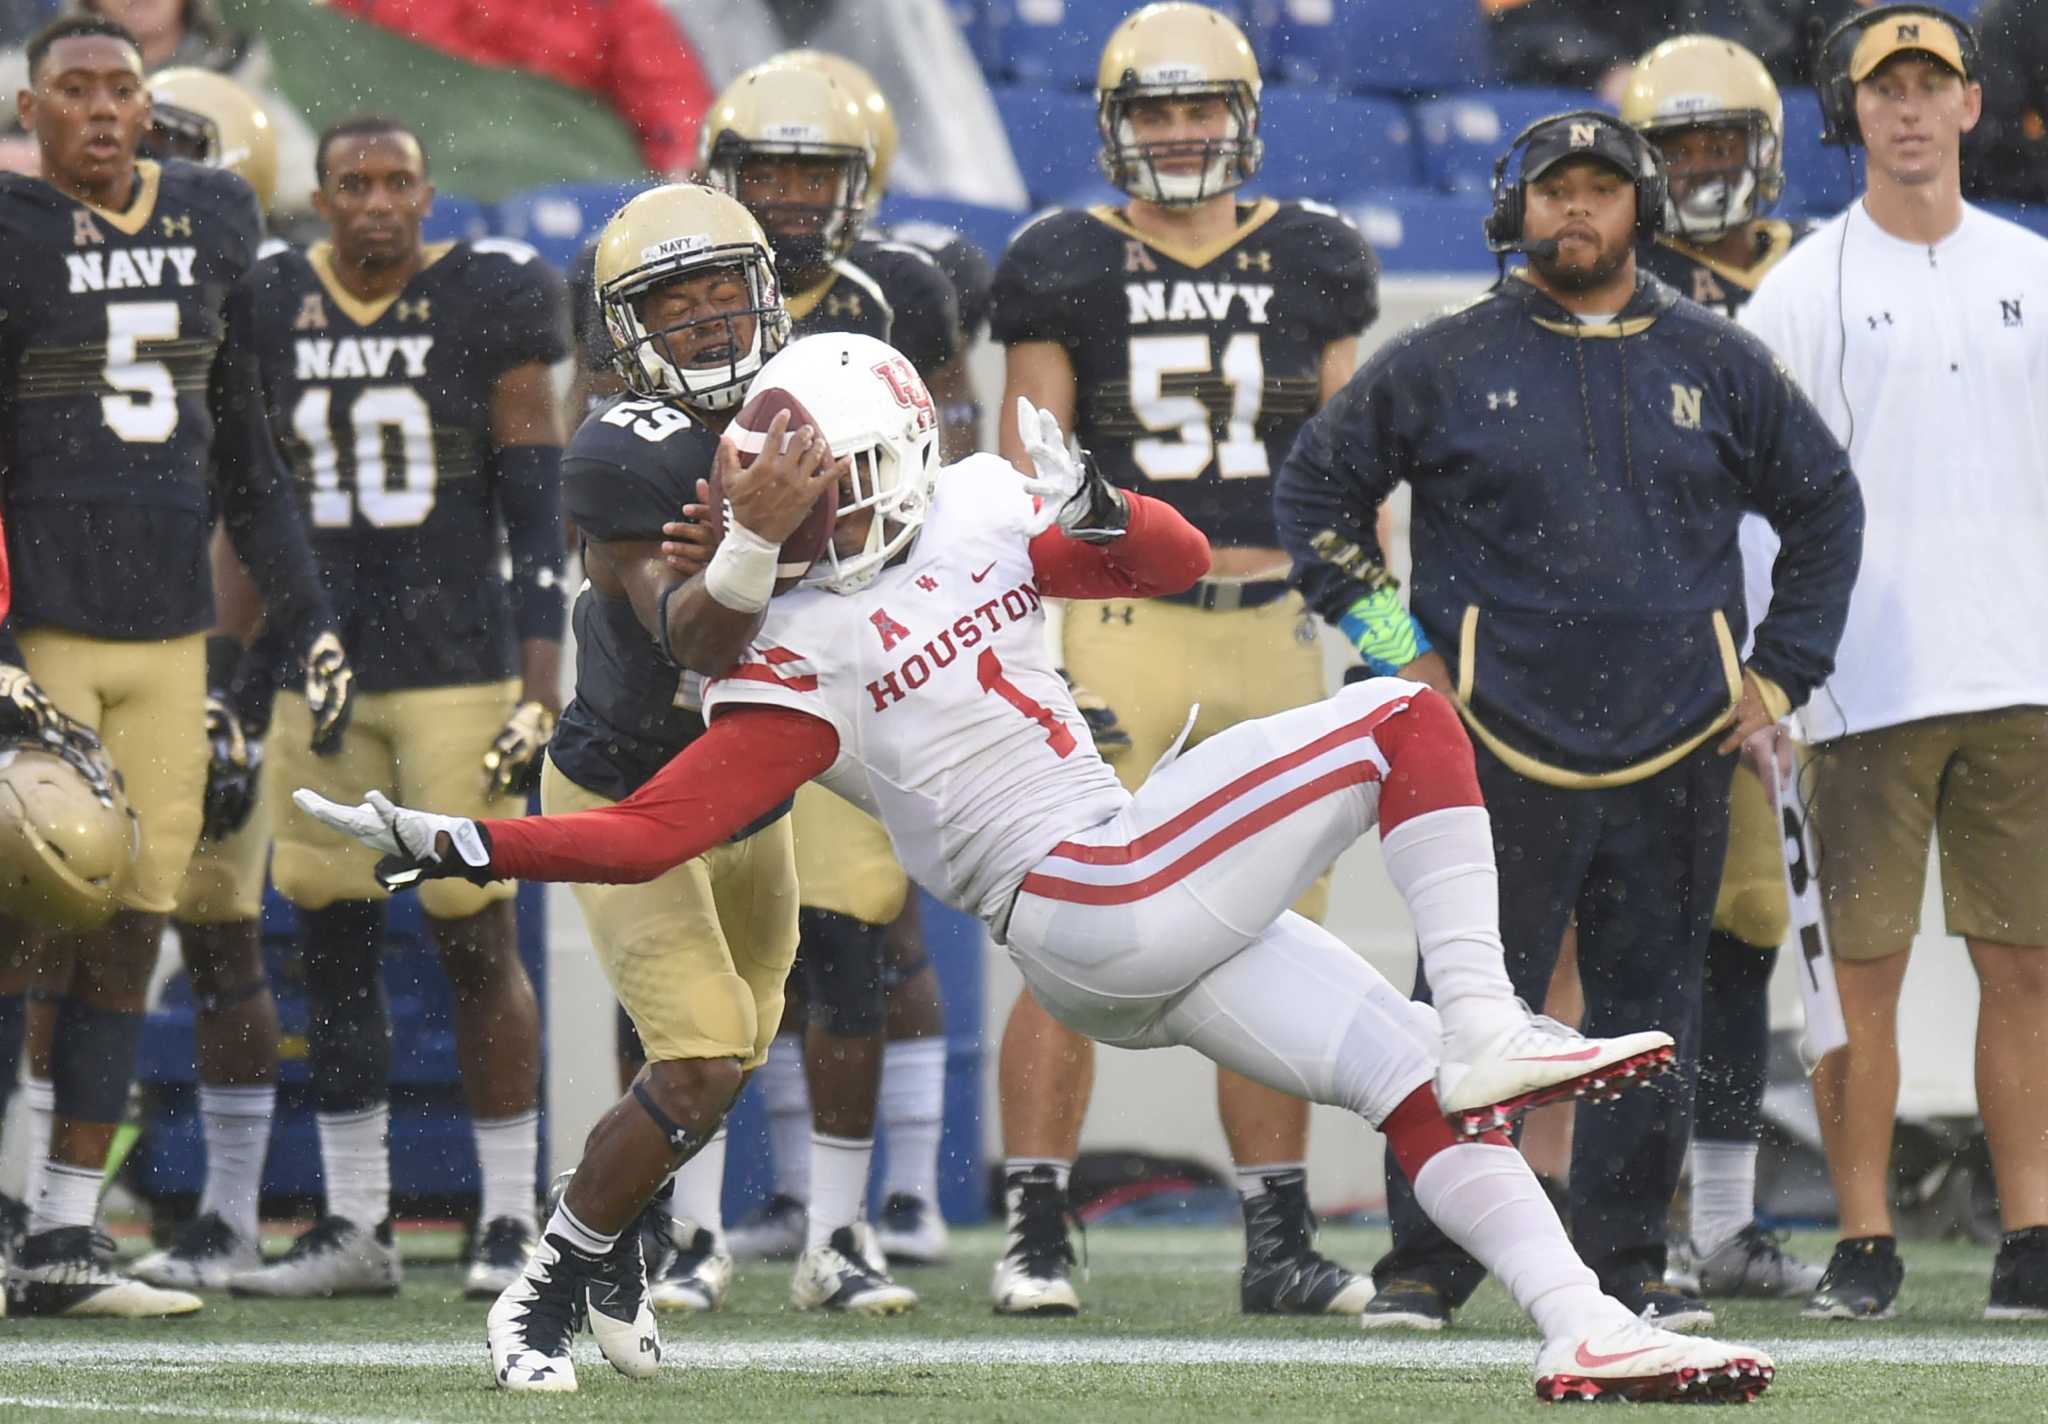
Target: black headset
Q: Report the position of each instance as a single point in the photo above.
(1503, 227)
(1831, 66)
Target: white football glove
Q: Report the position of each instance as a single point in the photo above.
(409, 839)
(1071, 491)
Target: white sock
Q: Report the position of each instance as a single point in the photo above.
(39, 1118)
(697, 1191)
(70, 1196)
(839, 1185)
(1723, 1192)
(1485, 1198)
(788, 1099)
(1251, 1181)
(913, 1108)
(237, 1123)
(507, 1154)
(1442, 863)
(567, 1225)
(355, 1161)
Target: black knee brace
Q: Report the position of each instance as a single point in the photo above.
(227, 998)
(843, 973)
(348, 1019)
(895, 975)
(92, 1060)
(681, 1140)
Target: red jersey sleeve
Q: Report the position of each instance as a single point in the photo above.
(1160, 552)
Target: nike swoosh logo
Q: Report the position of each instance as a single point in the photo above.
(984, 573)
(1593, 1362)
(1580, 1057)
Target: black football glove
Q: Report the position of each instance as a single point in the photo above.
(1103, 724)
(512, 765)
(330, 692)
(27, 711)
(234, 760)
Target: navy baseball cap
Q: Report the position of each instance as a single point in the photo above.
(1577, 137)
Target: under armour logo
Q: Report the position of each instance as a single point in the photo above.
(1262, 260)
(1582, 135)
(312, 314)
(892, 632)
(649, 1345)
(2010, 311)
(1136, 258)
(84, 231)
(413, 311)
(1882, 319)
(178, 226)
(1496, 399)
(927, 583)
(848, 305)
(1685, 406)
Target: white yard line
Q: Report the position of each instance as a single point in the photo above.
(190, 1411)
(811, 1355)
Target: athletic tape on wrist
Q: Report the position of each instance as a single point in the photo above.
(1384, 632)
(741, 575)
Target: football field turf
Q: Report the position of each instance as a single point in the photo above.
(1161, 1339)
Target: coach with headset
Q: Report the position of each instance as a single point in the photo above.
(1581, 444)
(1919, 325)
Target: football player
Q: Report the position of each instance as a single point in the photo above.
(130, 416)
(409, 385)
(796, 149)
(911, 672)
(1713, 114)
(1185, 337)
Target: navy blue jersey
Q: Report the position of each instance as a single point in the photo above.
(1193, 369)
(125, 385)
(1716, 285)
(964, 263)
(383, 413)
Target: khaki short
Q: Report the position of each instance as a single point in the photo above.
(148, 703)
(1976, 778)
(224, 881)
(699, 956)
(422, 748)
(1752, 905)
(844, 862)
(1151, 661)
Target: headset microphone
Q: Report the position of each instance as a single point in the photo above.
(1543, 249)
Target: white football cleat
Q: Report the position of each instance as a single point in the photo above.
(1488, 1085)
(911, 1230)
(1036, 1273)
(334, 1257)
(496, 1258)
(621, 1315)
(847, 1274)
(1641, 1364)
(533, 1324)
(70, 1272)
(697, 1272)
(203, 1255)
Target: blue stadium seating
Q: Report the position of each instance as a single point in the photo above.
(1380, 46)
(1462, 135)
(557, 221)
(1321, 144)
(456, 219)
(1818, 180)
(1059, 42)
(1421, 230)
(1052, 134)
(988, 228)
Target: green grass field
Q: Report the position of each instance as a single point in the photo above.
(1161, 1339)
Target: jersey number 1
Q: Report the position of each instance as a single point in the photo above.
(988, 668)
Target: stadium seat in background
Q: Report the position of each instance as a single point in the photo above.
(1380, 46)
(1058, 43)
(456, 219)
(1819, 181)
(988, 228)
(556, 221)
(1460, 136)
(1417, 230)
(1321, 144)
(1052, 135)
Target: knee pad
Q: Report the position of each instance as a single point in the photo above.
(92, 1060)
(842, 960)
(348, 1021)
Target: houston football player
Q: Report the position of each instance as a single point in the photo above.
(909, 672)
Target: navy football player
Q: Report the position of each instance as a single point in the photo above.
(129, 415)
(409, 386)
(1184, 337)
(1710, 109)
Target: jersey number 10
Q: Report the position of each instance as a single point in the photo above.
(384, 422)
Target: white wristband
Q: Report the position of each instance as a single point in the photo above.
(741, 575)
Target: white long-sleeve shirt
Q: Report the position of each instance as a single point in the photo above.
(1931, 365)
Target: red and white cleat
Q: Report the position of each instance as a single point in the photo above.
(1642, 1365)
(1541, 1061)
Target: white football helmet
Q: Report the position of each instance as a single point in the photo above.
(872, 408)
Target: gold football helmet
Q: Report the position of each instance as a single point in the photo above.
(1177, 50)
(672, 233)
(782, 111)
(874, 107)
(1701, 82)
(210, 119)
(67, 838)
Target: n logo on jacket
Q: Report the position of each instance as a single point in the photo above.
(1685, 406)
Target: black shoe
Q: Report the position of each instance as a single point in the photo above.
(71, 1271)
(496, 1256)
(1405, 1303)
(1861, 1283)
(1283, 1273)
(13, 1226)
(1036, 1273)
(2019, 1277)
(1666, 1306)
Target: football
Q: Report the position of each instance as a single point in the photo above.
(804, 547)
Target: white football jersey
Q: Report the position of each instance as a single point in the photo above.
(955, 729)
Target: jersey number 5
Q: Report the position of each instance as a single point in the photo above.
(143, 408)
(384, 421)
(1240, 454)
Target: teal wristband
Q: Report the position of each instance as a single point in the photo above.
(1384, 632)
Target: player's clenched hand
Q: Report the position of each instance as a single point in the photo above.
(27, 711)
(512, 765)
(691, 540)
(330, 692)
(417, 845)
(233, 761)
(1070, 488)
(777, 492)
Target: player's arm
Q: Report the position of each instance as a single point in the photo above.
(526, 438)
(1043, 373)
(1338, 366)
(751, 760)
